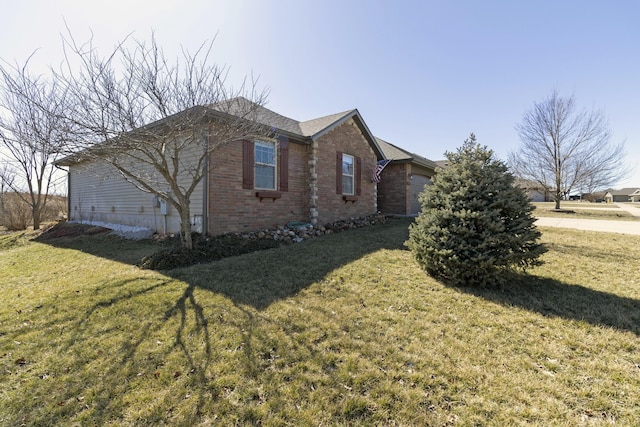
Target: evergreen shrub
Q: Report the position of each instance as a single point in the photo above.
(475, 224)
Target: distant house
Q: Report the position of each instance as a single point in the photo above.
(535, 191)
(635, 196)
(622, 195)
(597, 197)
(403, 179)
(315, 171)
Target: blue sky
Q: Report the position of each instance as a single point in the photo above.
(423, 74)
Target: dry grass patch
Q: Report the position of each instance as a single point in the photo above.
(341, 330)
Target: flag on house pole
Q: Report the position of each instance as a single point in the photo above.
(378, 169)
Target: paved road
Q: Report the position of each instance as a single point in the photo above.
(624, 227)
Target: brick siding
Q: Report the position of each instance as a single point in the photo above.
(393, 190)
(347, 139)
(232, 208)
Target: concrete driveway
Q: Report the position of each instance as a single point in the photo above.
(609, 226)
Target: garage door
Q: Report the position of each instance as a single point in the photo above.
(417, 185)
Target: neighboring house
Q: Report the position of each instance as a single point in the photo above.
(535, 191)
(596, 197)
(402, 180)
(315, 171)
(623, 195)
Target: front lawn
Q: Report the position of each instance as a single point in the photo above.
(582, 211)
(343, 329)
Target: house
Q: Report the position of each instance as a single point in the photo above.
(595, 197)
(535, 191)
(315, 171)
(623, 195)
(635, 196)
(402, 180)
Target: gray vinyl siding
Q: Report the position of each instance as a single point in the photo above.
(98, 192)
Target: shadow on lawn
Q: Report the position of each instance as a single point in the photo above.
(260, 278)
(251, 282)
(553, 298)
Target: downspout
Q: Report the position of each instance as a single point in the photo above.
(69, 194)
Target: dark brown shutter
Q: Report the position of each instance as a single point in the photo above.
(247, 164)
(358, 176)
(338, 172)
(283, 144)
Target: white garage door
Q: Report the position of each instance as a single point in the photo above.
(417, 185)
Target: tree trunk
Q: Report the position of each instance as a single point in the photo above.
(35, 213)
(185, 226)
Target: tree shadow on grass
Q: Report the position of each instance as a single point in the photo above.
(260, 278)
(553, 298)
(204, 330)
(251, 283)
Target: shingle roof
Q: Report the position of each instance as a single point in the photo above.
(623, 192)
(243, 107)
(312, 127)
(394, 152)
(265, 116)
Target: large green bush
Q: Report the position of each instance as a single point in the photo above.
(475, 224)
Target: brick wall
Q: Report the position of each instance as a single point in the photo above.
(347, 139)
(393, 189)
(232, 208)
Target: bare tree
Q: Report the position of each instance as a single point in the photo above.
(154, 120)
(31, 136)
(6, 177)
(564, 149)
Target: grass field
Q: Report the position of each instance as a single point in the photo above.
(341, 330)
(583, 210)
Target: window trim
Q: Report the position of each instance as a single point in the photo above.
(352, 176)
(256, 163)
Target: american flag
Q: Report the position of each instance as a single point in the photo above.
(378, 169)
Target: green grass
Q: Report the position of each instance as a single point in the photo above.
(340, 330)
(583, 211)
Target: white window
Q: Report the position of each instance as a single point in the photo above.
(265, 165)
(347, 174)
